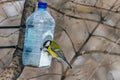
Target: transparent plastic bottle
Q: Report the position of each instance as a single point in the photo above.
(39, 28)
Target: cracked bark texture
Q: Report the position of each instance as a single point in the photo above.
(15, 68)
(88, 32)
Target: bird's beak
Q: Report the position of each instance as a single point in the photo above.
(43, 49)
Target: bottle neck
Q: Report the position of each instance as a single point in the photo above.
(42, 9)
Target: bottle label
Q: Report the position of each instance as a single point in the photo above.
(45, 60)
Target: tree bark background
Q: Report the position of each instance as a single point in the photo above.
(15, 68)
(87, 31)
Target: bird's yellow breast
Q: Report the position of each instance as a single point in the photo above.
(52, 53)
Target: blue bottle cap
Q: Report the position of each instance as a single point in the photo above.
(42, 5)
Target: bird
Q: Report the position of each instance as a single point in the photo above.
(55, 51)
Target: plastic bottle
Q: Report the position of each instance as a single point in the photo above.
(39, 28)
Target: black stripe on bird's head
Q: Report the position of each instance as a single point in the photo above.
(47, 43)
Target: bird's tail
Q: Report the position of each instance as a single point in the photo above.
(69, 65)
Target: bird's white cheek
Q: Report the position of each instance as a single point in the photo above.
(48, 43)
